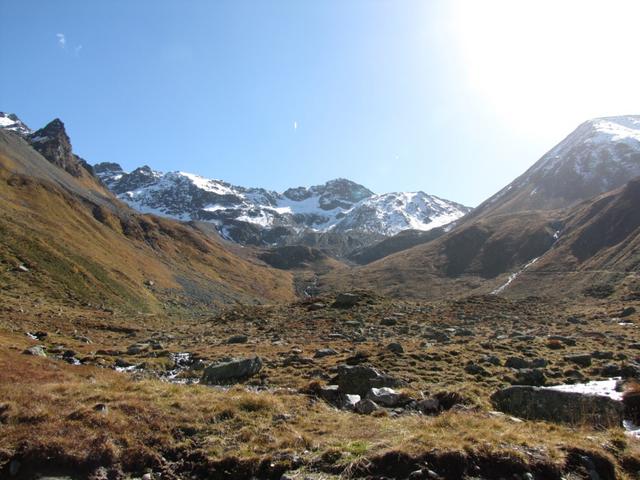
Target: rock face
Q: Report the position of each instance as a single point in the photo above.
(536, 403)
(231, 371)
(52, 142)
(360, 379)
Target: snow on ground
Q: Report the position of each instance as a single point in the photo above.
(602, 388)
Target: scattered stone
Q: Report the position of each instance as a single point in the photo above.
(330, 394)
(516, 362)
(584, 360)
(535, 403)
(36, 351)
(491, 359)
(387, 397)
(628, 311)
(346, 300)
(232, 370)
(359, 379)
(570, 341)
(388, 321)
(237, 339)
(395, 347)
(530, 376)
(316, 306)
(366, 407)
(428, 406)
(324, 352)
(475, 369)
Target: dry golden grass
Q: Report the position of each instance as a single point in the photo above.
(48, 406)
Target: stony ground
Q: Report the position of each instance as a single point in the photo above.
(71, 410)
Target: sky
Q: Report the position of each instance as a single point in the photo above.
(455, 98)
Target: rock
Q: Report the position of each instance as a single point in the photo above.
(602, 355)
(346, 300)
(584, 359)
(628, 311)
(475, 369)
(137, 348)
(348, 401)
(530, 376)
(438, 337)
(324, 352)
(428, 406)
(536, 403)
(147, 476)
(516, 362)
(366, 406)
(330, 394)
(36, 351)
(491, 359)
(388, 321)
(566, 340)
(387, 397)
(121, 363)
(22, 268)
(237, 339)
(316, 306)
(233, 370)
(395, 347)
(359, 379)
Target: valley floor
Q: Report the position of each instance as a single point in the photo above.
(65, 410)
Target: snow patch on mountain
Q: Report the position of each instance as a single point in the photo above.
(339, 205)
(10, 121)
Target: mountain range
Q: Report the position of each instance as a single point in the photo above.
(571, 216)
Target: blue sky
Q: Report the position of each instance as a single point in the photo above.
(440, 96)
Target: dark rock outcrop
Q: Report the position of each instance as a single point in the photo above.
(536, 403)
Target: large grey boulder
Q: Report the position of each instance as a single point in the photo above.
(231, 371)
(535, 403)
(359, 379)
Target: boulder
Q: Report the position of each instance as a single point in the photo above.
(346, 300)
(237, 339)
(584, 360)
(359, 379)
(530, 376)
(387, 397)
(428, 406)
(324, 352)
(366, 406)
(535, 403)
(395, 347)
(232, 370)
(36, 351)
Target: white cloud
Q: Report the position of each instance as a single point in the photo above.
(295, 125)
(77, 49)
(62, 40)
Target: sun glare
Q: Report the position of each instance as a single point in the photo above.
(550, 61)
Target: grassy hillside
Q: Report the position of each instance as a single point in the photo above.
(79, 244)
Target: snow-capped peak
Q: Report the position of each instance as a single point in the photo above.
(11, 122)
(338, 205)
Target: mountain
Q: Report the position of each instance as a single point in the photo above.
(600, 155)
(258, 216)
(68, 239)
(10, 122)
(572, 213)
